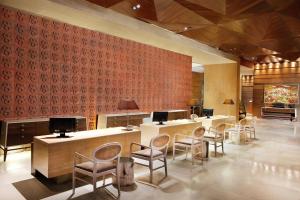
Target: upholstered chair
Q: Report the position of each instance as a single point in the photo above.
(216, 136)
(250, 128)
(157, 151)
(193, 143)
(104, 162)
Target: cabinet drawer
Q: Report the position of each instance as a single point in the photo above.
(27, 131)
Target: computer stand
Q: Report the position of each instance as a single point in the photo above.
(63, 135)
(161, 123)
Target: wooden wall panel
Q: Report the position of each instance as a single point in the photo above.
(52, 68)
(282, 74)
(258, 99)
(247, 98)
(197, 85)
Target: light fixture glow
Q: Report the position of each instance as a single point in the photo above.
(137, 6)
(270, 65)
(293, 64)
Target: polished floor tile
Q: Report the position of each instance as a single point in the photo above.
(267, 168)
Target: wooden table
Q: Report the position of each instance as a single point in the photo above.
(183, 126)
(54, 157)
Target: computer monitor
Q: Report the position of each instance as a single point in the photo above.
(160, 117)
(62, 126)
(278, 105)
(208, 112)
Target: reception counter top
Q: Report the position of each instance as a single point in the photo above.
(182, 126)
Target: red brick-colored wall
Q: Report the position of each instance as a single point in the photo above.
(50, 68)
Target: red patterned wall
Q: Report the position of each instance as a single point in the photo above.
(51, 68)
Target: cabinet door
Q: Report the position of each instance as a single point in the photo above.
(2, 132)
(81, 124)
(42, 128)
(13, 134)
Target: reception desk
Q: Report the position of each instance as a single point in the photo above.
(213, 121)
(183, 126)
(54, 157)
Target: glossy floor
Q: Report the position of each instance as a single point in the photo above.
(267, 168)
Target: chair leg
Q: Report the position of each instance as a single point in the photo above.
(192, 159)
(119, 186)
(166, 168)
(174, 149)
(223, 147)
(94, 183)
(186, 152)
(73, 182)
(215, 149)
(103, 180)
(151, 170)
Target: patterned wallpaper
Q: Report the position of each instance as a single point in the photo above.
(50, 68)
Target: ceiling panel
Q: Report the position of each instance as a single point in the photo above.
(255, 30)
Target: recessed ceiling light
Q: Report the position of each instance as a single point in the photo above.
(186, 28)
(137, 6)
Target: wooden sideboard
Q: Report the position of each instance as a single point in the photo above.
(282, 113)
(54, 157)
(177, 114)
(120, 119)
(17, 134)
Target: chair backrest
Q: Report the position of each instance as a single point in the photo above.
(243, 122)
(198, 132)
(107, 152)
(221, 127)
(160, 142)
(194, 116)
(253, 121)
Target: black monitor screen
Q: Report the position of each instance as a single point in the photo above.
(208, 112)
(160, 117)
(278, 105)
(62, 125)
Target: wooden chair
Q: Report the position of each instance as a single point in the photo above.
(156, 151)
(216, 135)
(105, 161)
(194, 143)
(250, 128)
(239, 129)
(242, 129)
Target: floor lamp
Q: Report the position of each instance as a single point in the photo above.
(228, 102)
(126, 104)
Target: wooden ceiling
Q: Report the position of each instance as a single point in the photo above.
(261, 31)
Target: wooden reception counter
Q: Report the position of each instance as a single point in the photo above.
(182, 126)
(213, 121)
(54, 157)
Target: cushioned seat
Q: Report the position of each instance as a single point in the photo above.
(100, 167)
(188, 141)
(147, 152)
